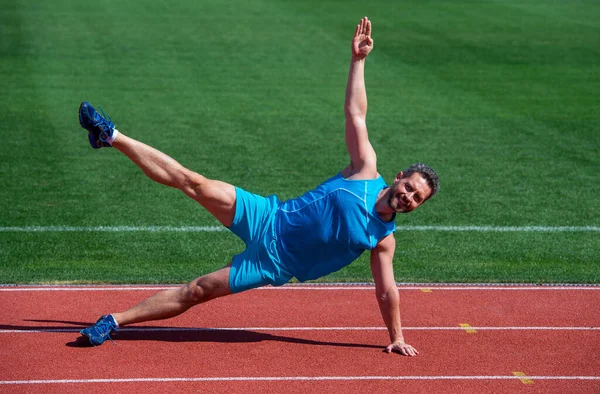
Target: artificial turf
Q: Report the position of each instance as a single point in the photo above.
(500, 97)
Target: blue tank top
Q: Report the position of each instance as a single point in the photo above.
(327, 228)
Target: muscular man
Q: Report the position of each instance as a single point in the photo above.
(307, 237)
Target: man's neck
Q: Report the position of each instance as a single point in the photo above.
(382, 207)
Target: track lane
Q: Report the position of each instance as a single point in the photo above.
(245, 387)
(292, 308)
(308, 353)
(246, 353)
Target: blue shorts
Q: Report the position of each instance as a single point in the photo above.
(258, 265)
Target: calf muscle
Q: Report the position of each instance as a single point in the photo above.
(173, 302)
(217, 197)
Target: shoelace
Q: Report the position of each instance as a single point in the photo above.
(106, 122)
(105, 326)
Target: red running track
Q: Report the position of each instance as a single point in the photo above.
(307, 339)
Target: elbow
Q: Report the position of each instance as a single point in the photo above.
(348, 111)
(190, 182)
(354, 112)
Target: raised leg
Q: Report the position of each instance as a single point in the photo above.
(216, 196)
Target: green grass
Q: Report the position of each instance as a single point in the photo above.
(500, 97)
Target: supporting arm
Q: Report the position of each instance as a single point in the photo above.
(387, 295)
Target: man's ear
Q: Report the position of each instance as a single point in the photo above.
(398, 176)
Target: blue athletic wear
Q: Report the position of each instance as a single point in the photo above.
(258, 264)
(307, 237)
(100, 127)
(327, 228)
(100, 332)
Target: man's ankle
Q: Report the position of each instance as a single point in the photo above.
(114, 136)
(115, 319)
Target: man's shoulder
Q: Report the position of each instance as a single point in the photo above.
(387, 243)
(366, 173)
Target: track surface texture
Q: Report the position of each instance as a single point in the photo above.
(308, 339)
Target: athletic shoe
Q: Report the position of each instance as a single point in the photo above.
(100, 129)
(100, 332)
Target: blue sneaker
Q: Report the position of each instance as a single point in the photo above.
(100, 332)
(100, 129)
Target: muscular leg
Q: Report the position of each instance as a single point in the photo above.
(217, 197)
(172, 302)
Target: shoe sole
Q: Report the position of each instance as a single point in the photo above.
(81, 120)
(91, 136)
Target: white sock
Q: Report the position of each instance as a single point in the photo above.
(113, 316)
(112, 139)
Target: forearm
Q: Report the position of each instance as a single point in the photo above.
(389, 305)
(356, 93)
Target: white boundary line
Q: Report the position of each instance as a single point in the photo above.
(347, 287)
(204, 329)
(196, 229)
(435, 288)
(432, 287)
(76, 288)
(292, 378)
(111, 229)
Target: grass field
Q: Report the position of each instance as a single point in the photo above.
(500, 97)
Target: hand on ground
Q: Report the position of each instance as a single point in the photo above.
(403, 348)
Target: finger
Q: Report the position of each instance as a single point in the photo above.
(368, 28)
(362, 26)
(357, 31)
(369, 41)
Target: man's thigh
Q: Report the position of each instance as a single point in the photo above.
(213, 285)
(253, 216)
(216, 197)
(256, 267)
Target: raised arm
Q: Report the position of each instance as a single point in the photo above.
(362, 156)
(387, 295)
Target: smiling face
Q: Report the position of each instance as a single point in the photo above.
(408, 193)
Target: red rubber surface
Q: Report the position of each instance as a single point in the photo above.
(308, 353)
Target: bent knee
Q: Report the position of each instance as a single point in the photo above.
(193, 294)
(192, 183)
(201, 290)
(208, 190)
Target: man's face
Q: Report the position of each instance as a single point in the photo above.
(407, 193)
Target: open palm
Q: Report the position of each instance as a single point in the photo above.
(362, 43)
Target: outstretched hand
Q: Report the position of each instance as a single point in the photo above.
(362, 43)
(403, 348)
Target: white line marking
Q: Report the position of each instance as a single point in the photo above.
(204, 329)
(503, 229)
(291, 378)
(14, 288)
(111, 229)
(195, 229)
(401, 287)
(124, 288)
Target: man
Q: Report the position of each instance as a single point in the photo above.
(308, 237)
